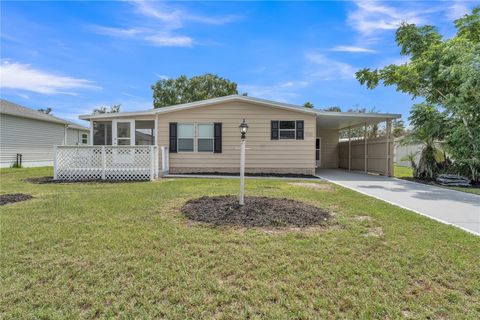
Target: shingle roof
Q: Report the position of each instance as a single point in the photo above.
(10, 108)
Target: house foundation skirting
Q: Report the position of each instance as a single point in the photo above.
(300, 171)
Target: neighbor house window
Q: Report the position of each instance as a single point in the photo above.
(205, 137)
(102, 133)
(144, 132)
(185, 137)
(84, 138)
(287, 130)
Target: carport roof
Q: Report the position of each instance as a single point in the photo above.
(343, 120)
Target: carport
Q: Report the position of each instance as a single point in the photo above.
(343, 141)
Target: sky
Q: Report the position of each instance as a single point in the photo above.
(77, 56)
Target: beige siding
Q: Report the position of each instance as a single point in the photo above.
(329, 147)
(34, 139)
(262, 155)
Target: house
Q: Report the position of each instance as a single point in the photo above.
(203, 137)
(32, 134)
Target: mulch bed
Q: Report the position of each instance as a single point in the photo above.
(15, 197)
(257, 212)
(47, 180)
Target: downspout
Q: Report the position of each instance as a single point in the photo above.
(65, 135)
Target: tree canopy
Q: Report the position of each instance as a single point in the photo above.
(112, 109)
(446, 74)
(168, 92)
(308, 104)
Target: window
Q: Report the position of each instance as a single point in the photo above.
(287, 130)
(205, 138)
(84, 138)
(102, 133)
(185, 137)
(145, 132)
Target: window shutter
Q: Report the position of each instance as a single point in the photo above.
(173, 137)
(274, 130)
(299, 129)
(217, 137)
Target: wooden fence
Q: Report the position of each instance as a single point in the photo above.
(373, 156)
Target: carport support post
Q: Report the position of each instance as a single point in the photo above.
(388, 128)
(366, 148)
(349, 150)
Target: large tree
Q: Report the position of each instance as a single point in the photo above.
(446, 74)
(168, 92)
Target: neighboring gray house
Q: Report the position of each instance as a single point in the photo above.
(33, 134)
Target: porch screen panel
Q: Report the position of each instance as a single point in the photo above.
(144, 132)
(102, 133)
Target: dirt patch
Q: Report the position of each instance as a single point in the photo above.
(48, 180)
(362, 218)
(15, 197)
(313, 186)
(374, 232)
(257, 212)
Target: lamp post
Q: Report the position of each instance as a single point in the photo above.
(243, 131)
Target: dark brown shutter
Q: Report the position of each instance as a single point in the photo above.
(274, 130)
(299, 129)
(217, 137)
(173, 137)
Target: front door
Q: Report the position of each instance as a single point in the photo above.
(318, 152)
(123, 132)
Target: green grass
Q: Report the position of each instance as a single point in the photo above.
(125, 251)
(407, 173)
(403, 172)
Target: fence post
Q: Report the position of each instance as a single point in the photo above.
(104, 162)
(152, 163)
(55, 174)
(387, 147)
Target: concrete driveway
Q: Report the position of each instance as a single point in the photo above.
(447, 206)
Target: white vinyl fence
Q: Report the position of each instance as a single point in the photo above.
(77, 163)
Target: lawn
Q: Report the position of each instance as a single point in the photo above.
(124, 250)
(407, 174)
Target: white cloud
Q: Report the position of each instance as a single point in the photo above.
(162, 76)
(457, 10)
(352, 49)
(24, 77)
(160, 39)
(166, 40)
(160, 24)
(372, 16)
(176, 17)
(320, 67)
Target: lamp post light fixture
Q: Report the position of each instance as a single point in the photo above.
(243, 131)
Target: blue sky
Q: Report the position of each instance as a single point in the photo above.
(76, 56)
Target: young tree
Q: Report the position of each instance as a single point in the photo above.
(398, 128)
(112, 109)
(168, 92)
(308, 104)
(446, 74)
